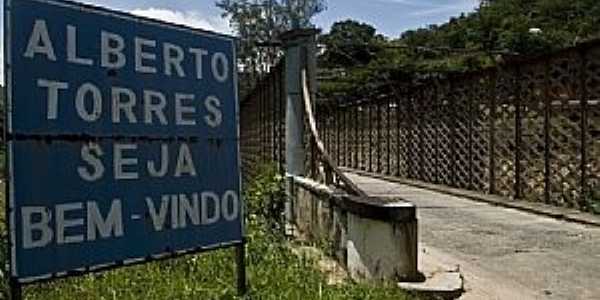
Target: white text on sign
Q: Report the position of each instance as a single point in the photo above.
(84, 220)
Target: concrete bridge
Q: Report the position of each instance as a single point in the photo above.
(502, 166)
(502, 253)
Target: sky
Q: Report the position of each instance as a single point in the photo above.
(390, 17)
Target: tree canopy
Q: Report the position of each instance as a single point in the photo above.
(261, 21)
(526, 27)
(466, 42)
(350, 42)
(258, 23)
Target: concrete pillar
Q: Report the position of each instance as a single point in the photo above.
(300, 54)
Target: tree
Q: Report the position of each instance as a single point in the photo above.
(467, 42)
(258, 23)
(300, 12)
(350, 43)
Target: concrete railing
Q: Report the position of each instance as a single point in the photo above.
(374, 238)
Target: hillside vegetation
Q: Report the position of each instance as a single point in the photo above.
(498, 28)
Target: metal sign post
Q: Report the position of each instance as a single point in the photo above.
(15, 290)
(123, 141)
(240, 254)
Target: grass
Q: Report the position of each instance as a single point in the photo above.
(273, 271)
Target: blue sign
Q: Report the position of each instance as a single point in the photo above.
(123, 139)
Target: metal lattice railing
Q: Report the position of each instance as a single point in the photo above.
(528, 130)
(262, 123)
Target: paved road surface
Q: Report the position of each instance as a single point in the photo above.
(502, 253)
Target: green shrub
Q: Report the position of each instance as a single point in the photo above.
(593, 200)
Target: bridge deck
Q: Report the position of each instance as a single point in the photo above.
(502, 253)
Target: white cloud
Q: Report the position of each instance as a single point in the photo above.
(431, 8)
(191, 18)
(460, 6)
(407, 2)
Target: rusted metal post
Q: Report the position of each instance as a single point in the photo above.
(268, 117)
(547, 141)
(436, 134)
(584, 128)
(273, 93)
(260, 122)
(342, 152)
(331, 131)
(325, 127)
(344, 142)
(370, 121)
(264, 121)
(389, 136)
(408, 126)
(492, 137)
(421, 135)
(356, 145)
(281, 123)
(518, 132)
(275, 112)
(360, 138)
(471, 117)
(453, 121)
(337, 133)
(398, 127)
(378, 124)
(278, 99)
(267, 108)
(348, 142)
(348, 121)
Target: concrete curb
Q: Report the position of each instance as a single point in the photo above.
(447, 285)
(442, 283)
(559, 213)
(442, 277)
